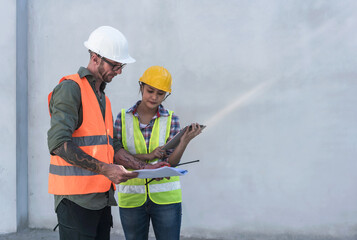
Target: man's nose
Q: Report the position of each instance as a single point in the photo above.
(118, 71)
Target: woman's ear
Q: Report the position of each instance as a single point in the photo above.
(141, 88)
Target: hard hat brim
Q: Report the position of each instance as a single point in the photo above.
(128, 58)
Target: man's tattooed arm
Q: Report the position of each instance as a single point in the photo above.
(75, 156)
(124, 158)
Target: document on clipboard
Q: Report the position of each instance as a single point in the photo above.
(160, 172)
(176, 139)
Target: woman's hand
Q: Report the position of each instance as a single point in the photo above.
(190, 133)
(158, 165)
(158, 153)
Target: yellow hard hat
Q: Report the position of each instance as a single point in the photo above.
(157, 77)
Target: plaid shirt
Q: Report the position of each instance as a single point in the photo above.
(146, 131)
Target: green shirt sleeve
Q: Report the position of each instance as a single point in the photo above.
(64, 109)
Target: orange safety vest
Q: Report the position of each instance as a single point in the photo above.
(94, 137)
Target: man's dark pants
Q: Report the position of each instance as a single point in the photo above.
(77, 223)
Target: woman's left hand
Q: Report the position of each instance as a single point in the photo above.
(191, 132)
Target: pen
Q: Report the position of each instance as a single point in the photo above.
(187, 162)
(175, 166)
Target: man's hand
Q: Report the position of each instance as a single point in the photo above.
(123, 157)
(117, 173)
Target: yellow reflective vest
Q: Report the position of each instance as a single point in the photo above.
(134, 192)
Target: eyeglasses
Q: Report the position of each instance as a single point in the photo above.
(115, 67)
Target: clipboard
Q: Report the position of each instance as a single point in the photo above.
(176, 139)
(160, 172)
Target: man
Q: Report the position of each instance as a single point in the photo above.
(82, 174)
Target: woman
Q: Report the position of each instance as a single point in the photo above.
(144, 129)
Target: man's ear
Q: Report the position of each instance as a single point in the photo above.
(95, 59)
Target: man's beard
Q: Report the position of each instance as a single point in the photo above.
(106, 77)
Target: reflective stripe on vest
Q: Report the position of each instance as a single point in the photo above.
(70, 171)
(94, 137)
(165, 187)
(154, 188)
(133, 193)
(131, 189)
(92, 140)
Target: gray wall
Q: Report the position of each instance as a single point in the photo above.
(275, 82)
(8, 116)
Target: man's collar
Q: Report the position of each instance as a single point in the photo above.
(84, 72)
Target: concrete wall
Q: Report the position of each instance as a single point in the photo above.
(8, 114)
(274, 82)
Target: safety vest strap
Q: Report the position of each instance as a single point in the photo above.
(70, 171)
(164, 124)
(128, 132)
(92, 140)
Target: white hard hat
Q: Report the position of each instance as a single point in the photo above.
(110, 43)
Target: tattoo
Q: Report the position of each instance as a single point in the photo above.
(122, 157)
(75, 156)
